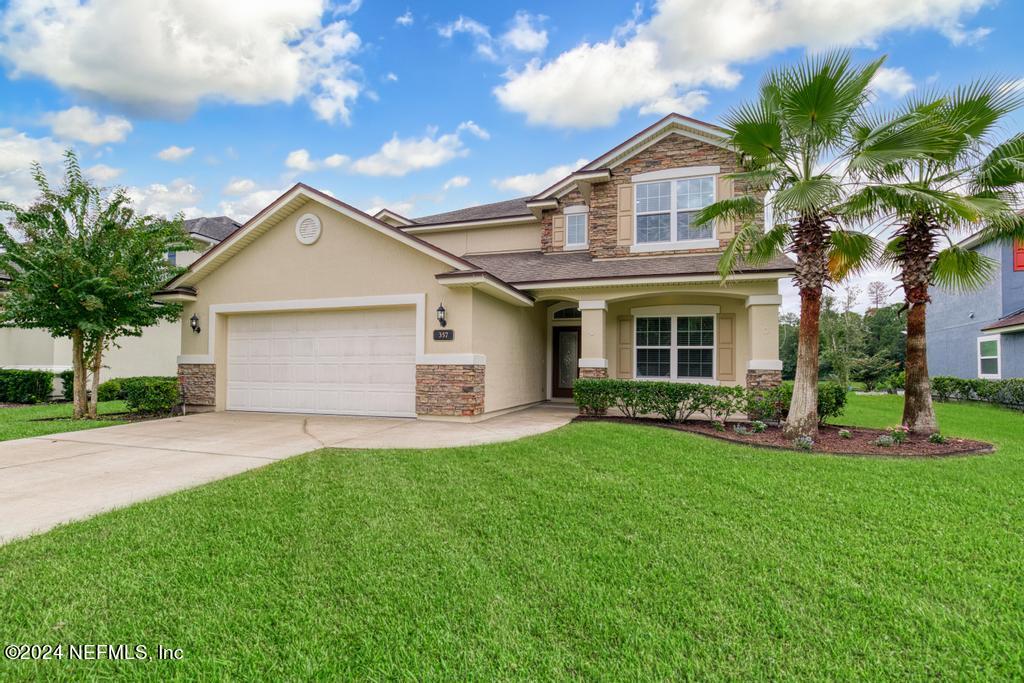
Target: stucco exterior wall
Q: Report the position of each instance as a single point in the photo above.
(517, 237)
(27, 349)
(513, 339)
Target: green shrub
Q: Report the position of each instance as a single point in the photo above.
(25, 386)
(804, 443)
(936, 438)
(150, 394)
(770, 404)
(666, 399)
(831, 401)
(673, 401)
(885, 441)
(1008, 392)
(67, 380)
(845, 434)
(899, 434)
(757, 426)
(110, 390)
(724, 401)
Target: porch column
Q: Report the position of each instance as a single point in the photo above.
(764, 369)
(593, 357)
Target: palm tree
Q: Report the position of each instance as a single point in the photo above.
(796, 144)
(966, 181)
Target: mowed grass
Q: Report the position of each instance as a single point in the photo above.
(23, 422)
(597, 551)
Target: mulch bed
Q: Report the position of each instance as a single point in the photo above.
(113, 417)
(861, 441)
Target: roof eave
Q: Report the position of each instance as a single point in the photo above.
(487, 283)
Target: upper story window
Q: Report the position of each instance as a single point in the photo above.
(575, 227)
(666, 207)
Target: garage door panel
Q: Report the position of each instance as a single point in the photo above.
(340, 362)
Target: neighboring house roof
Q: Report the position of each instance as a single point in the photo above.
(530, 267)
(1012, 320)
(213, 228)
(509, 208)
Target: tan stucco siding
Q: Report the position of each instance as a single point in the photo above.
(513, 339)
(519, 237)
(28, 349)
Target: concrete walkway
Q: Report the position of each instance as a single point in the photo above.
(45, 481)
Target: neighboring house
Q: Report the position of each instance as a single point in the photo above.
(313, 306)
(981, 334)
(154, 353)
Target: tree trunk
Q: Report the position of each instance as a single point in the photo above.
(803, 410)
(918, 412)
(78, 363)
(97, 364)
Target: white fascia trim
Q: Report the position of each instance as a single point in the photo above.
(764, 300)
(594, 363)
(673, 173)
(1008, 330)
(442, 227)
(652, 280)
(490, 285)
(714, 137)
(685, 309)
(647, 247)
(357, 216)
(596, 305)
(576, 208)
(566, 183)
(387, 213)
(764, 365)
(174, 297)
(195, 359)
(417, 300)
(451, 359)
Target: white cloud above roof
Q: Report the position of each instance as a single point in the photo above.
(687, 46)
(400, 156)
(17, 153)
(525, 34)
(175, 153)
(103, 173)
(405, 19)
(894, 82)
(85, 125)
(532, 183)
(160, 199)
(169, 56)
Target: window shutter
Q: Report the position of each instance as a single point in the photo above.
(624, 216)
(624, 359)
(727, 347)
(726, 228)
(558, 231)
(1018, 255)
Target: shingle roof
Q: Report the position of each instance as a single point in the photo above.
(521, 268)
(215, 228)
(505, 209)
(1011, 320)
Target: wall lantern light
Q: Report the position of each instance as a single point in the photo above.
(194, 322)
(441, 313)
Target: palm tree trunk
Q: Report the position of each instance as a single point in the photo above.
(78, 364)
(803, 410)
(918, 254)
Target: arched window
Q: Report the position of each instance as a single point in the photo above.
(567, 314)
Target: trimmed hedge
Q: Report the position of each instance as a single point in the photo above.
(25, 386)
(679, 401)
(1007, 392)
(67, 379)
(110, 390)
(150, 394)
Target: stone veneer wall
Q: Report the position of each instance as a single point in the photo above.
(673, 151)
(450, 390)
(198, 385)
(763, 379)
(593, 373)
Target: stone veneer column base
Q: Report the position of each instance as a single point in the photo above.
(593, 373)
(450, 390)
(759, 380)
(198, 385)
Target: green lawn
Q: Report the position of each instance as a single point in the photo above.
(19, 423)
(597, 551)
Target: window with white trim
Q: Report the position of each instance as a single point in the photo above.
(988, 357)
(665, 210)
(675, 347)
(575, 227)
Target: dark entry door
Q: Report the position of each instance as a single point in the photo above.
(565, 365)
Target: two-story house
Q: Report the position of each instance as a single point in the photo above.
(314, 306)
(981, 334)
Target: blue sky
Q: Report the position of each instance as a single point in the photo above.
(213, 108)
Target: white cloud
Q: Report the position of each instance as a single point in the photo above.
(350, 7)
(239, 186)
(175, 153)
(399, 156)
(17, 153)
(480, 34)
(103, 173)
(405, 19)
(524, 35)
(84, 124)
(532, 183)
(893, 82)
(402, 207)
(336, 161)
(246, 206)
(169, 56)
(690, 45)
(391, 77)
(298, 160)
(456, 182)
(159, 199)
(686, 104)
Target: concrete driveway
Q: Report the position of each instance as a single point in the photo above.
(49, 480)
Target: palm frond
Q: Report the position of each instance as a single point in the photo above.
(735, 208)
(850, 252)
(1003, 166)
(752, 245)
(813, 195)
(962, 270)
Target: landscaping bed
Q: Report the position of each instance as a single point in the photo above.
(861, 440)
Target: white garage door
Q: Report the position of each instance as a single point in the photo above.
(360, 362)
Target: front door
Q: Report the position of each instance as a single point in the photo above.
(565, 363)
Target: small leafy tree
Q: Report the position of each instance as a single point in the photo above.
(84, 265)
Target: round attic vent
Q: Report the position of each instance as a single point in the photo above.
(307, 229)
